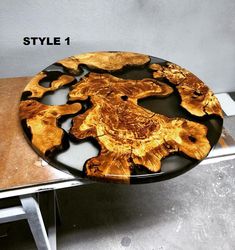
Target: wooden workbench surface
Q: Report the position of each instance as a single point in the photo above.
(19, 164)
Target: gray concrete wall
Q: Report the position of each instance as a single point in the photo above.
(199, 35)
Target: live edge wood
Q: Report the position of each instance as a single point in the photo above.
(195, 96)
(20, 166)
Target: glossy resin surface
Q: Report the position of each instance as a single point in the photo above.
(120, 117)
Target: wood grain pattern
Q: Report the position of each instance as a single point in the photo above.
(109, 61)
(37, 91)
(196, 97)
(127, 133)
(42, 119)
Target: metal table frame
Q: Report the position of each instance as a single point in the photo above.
(45, 237)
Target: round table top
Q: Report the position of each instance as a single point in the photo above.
(120, 117)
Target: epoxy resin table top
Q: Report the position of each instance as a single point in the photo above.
(120, 117)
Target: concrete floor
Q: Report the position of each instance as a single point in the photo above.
(193, 211)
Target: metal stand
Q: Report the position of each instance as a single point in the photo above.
(30, 210)
(44, 236)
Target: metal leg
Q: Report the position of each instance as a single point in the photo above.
(51, 229)
(48, 205)
(58, 212)
(35, 221)
(12, 214)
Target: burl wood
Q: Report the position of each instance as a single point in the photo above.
(196, 97)
(42, 122)
(109, 61)
(128, 134)
(37, 91)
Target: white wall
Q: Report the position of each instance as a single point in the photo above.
(199, 35)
